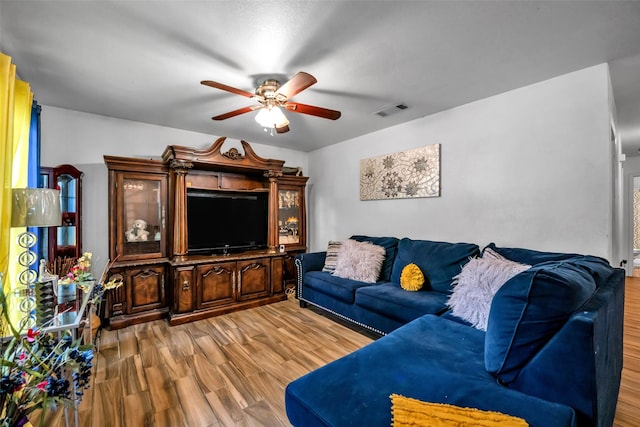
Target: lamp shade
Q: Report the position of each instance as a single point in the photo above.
(270, 117)
(264, 118)
(35, 207)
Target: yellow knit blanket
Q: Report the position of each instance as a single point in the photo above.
(408, 412)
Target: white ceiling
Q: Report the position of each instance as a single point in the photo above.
(144, 60)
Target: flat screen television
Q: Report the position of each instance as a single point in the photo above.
(223, 221)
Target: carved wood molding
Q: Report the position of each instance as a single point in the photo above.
(135, 164)
(212, 157)
(233, 154)
(180, 165)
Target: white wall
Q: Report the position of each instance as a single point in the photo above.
(618, 242)
(82, 139)
(527, 168)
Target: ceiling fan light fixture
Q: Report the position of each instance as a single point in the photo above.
(271, 97)
(279, 118)
(271, 117)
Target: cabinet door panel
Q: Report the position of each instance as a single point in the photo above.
(184, 290)
(254, 279)
(115, 298)
(215, 284)
(145, 288)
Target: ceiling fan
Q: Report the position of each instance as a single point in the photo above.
(271, 96)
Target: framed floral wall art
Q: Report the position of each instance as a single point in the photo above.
(406, 174)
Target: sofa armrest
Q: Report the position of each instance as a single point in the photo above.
(581, 366)
(312, 261)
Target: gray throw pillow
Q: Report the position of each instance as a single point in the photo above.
(361, 261)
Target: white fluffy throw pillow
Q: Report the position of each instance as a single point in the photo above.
(359, 261)
(476, 285)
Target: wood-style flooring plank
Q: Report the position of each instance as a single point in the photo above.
(108, 404)
(195, 407)
(138, 410)
(161, 388)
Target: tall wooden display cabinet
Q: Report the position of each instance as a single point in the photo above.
(149, 239)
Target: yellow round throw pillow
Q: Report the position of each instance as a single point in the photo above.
(411, 278)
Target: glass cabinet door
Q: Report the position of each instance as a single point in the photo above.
(66, 234)
(142, 227)
(64, 241)
(289, 216)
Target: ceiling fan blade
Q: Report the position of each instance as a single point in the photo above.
(236, 112)
(296, 84)
(325, 113)
(282, 129)
(228, 88)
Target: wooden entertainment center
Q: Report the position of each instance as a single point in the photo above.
(149, 235)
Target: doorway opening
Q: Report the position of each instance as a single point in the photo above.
(636, 226)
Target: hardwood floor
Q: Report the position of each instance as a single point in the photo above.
(628, 409)
(231, 370)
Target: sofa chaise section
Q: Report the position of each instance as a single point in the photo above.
(431, 359)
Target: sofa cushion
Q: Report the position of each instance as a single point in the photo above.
(598, 268)
(477, 283)
(390, 245)
(359, 261)
(337, 287)
(390, 300)
(439, 261)
(528, 310)
(529, 256)
(333, 248)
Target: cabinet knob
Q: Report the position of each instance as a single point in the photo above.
(185, 285)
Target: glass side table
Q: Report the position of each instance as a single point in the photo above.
(71, 312)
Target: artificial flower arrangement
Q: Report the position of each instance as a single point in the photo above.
(80, 274)
(39, 371)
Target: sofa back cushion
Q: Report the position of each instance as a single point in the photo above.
(439, 261)
(529, 256)
(528, 310)
(390, 245)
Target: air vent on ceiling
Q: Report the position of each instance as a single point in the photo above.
(387, 111)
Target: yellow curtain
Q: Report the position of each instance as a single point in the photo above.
(7, 89)
(21, 121)
(16, 99)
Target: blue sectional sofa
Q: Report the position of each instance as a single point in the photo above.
(551, 352)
